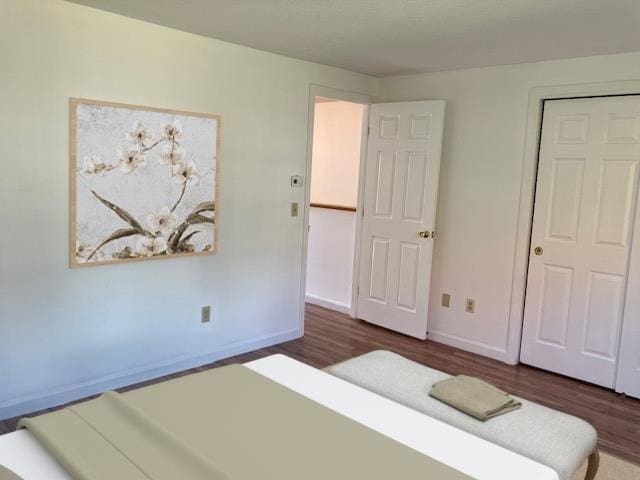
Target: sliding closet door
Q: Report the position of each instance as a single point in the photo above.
(582, 236)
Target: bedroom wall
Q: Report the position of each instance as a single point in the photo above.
(480, 182)
(65, 334)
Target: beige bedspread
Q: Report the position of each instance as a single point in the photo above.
(225, 423)
(6, 474)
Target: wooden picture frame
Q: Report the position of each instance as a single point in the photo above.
(160, 157)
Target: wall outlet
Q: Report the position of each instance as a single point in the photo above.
(294, 209)
(205, 314)
(471, 305)
(446, 300)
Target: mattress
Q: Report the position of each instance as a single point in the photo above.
(477, 458)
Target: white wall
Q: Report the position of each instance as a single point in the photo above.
(64, 333)
(330, 258)
(480, 181)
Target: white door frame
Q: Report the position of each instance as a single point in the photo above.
(359, 211)
(537, 96)
(353, 97)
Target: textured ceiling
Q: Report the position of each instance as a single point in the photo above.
(389, 37)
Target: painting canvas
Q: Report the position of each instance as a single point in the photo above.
(143, 183)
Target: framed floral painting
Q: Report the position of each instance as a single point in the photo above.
(144, 183)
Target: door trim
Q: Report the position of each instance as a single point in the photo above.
(347, 96)
(355, 282)
(537, 96)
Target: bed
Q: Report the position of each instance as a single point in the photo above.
(477, 458)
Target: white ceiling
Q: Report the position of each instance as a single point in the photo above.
(389, 37)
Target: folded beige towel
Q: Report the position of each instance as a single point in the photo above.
(474, 397)
(6, 474)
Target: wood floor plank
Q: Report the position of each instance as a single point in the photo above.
(332, 337)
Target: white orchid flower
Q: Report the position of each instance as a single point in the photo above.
(185, 172)
(130, 159)
(165, 221)
(148, 246)
(171, 154)
(84, 251)
(94, 166)
(139, 134)
(172, 131)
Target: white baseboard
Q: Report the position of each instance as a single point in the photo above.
(69, 393)
(470, 345)
(330, 304)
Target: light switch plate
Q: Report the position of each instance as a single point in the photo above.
(446, 300)
(205, 315)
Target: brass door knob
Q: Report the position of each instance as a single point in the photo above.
(424, 234)
(538, 251)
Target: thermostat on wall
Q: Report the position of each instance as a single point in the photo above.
(296, 180)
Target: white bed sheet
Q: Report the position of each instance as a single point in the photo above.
(21, 452)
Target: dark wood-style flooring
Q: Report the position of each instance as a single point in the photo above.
(331, 337)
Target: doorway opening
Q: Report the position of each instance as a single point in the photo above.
(379, 248)
(338, 128)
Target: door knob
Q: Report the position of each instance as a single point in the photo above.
(538, 250)
(424, 234)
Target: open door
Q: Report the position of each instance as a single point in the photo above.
(401, 184)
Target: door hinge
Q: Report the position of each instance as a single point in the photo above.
(368, 131)
(358, 289)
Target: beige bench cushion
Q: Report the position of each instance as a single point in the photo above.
(553, 438)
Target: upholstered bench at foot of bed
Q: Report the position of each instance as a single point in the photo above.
(553, 438)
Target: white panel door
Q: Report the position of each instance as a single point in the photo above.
(628, 378)
(581, 238)
(401, 183)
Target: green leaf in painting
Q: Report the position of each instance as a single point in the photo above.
(122, 213)
(122, 233)
(204, 207)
